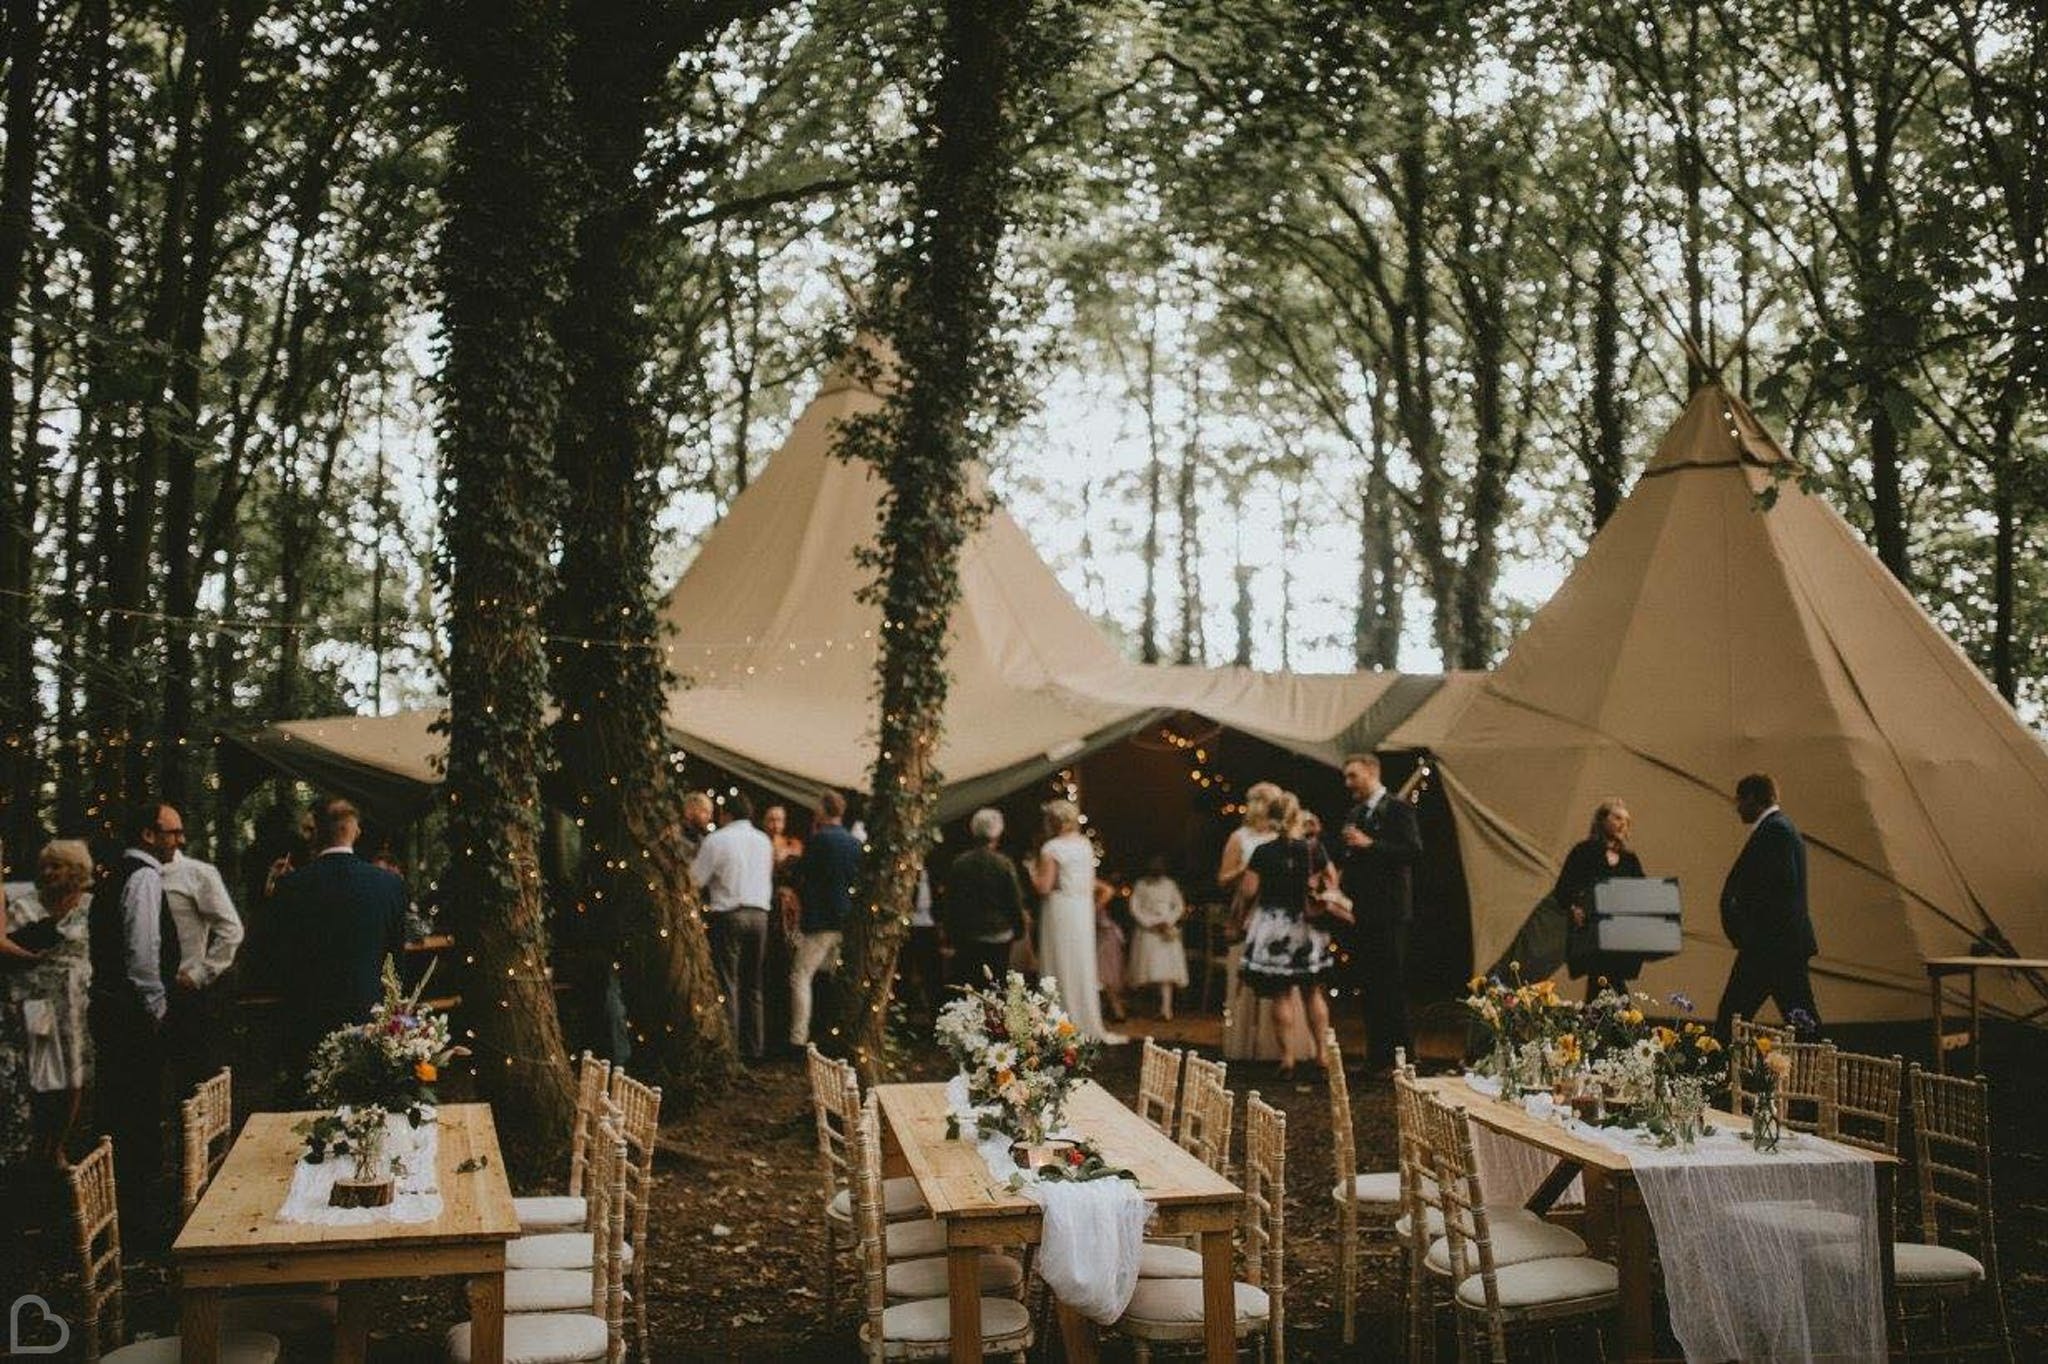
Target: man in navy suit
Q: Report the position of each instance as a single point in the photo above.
(1764, 914)
(338, 918)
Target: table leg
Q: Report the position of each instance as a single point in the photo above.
(963, 1291)
(1632, 1259)
(199, 1325)
(1219, 1298)
(487, 1318)
(1079, 1336)
(1934, 989)
(352, 1324)
(1598, 1230)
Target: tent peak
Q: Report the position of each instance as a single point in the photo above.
(1716, 430)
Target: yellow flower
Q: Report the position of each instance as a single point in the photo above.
(1710, 1045)
(1666, 1038)
(1546, 988)
(1066, 1027)
(1003, 1078)
(1632, 1017)
(1475, 985)
(426, 1072)
(1764, 1045)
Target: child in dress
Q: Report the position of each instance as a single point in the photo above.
(1156, 956)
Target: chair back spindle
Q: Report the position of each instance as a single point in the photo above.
(95, 1208)
(1867, 1100)
(209, 1123)
(1265, 1212)
(1159, 1084)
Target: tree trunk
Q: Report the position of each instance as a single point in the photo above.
(939, 308)
(1610, 434)
(1188, 568)
(1691, 182)
(503, 263)
(20, 471)
(611, 741)
(1379, 618)
(1155, 492)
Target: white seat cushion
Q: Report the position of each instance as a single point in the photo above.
(1919, 1264)
(1433, 1218)
(551, 1212)
(553, 1250)
(1801, 1219)
(238, 1347)
(544, 1338)
(1535, 1283)
(547, 1290)
(914, 1240)
(1377, 1186)
(900, 1199)
(289, 1315)
(1169, 1305)
(1157, 1261)
(1514, 1241)
(927, 1278)
(931, 1320)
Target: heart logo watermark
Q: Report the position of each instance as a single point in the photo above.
(20, 1323)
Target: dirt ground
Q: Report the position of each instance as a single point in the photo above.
(735, 1269)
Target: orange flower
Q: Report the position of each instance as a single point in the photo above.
(1764, 1045)
(426, 1072)
(1665, 1038)
(1066, 1027)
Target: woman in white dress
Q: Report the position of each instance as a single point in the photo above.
(45, 1044)
(1247, 1026)
(1156, 955)
(1063, 873)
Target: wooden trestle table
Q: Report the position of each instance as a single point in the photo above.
(233, 1239)
(979, 1213)
(1617, 1225)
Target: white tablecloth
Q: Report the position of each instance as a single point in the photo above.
(416, 1199)
(1766, 1256)
(1093, 1234)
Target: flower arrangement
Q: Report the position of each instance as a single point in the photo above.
(1766, 1068)
(1527, 1023)
(1076, 1164)
(1021, 1054)
(393, 1061)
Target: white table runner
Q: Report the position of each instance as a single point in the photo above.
(417, 1197)
(1094, 1231)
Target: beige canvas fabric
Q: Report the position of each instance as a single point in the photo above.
(1702, 637)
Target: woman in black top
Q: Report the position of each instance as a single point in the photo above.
(1604, 856)
(1286, 955)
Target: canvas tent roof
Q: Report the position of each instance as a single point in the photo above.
(777, 656)
(1702, 637)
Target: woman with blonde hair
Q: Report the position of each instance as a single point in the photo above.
(1063, 873)
(46, 973)
(1605, 855)
(1286, 952)
(1256, 828)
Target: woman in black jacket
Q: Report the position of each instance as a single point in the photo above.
(1604, 856)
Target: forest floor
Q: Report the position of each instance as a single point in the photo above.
(735, 1269)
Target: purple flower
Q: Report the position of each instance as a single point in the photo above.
(1802, 1021)
(1682, 1000)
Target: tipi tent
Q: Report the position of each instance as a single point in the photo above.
(1704, 636)
(777, 654)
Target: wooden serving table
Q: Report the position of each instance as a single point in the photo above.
(1940, 968)
(1617, 1221)
(978, 1212)
(234, 1239)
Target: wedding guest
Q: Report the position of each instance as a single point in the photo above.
(775, 823)
(45, 980)
(1156, 956)
(1764, 915)
(1255, 828)
(339, 917)
(1377, 849)
(1109, 950)
(1242, 1031)
(1063, 874)
(919, 975)
(1286, 952)
(133, 944)
(982, 910)
(828, 875)
(209, 933)
(1604, 855)
(697, 808)
(735, 868)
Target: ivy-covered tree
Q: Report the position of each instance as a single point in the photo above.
(939, 307)
(504, 266)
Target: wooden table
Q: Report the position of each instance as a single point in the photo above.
(1617, 1221)
(1940, 968)
(233, 1238)
(979, 1213)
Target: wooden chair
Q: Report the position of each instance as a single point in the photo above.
(1159, 1084)
(1376, 1193)
(209, 1131)
(293, 1313)
(835, 1105)
(921, 1329)
(595, 1333)
(1490, 1297)
(1868, 1093)
(571, 1210)
(1170, 1311)
(95, 1208)
(1214, 954)
(1206, 1114)
(1741, 1033)
(1806, 1096)
(1952, 1169)
(639, 1123)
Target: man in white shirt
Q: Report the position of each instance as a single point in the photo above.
(735, 870)
(209, 932)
